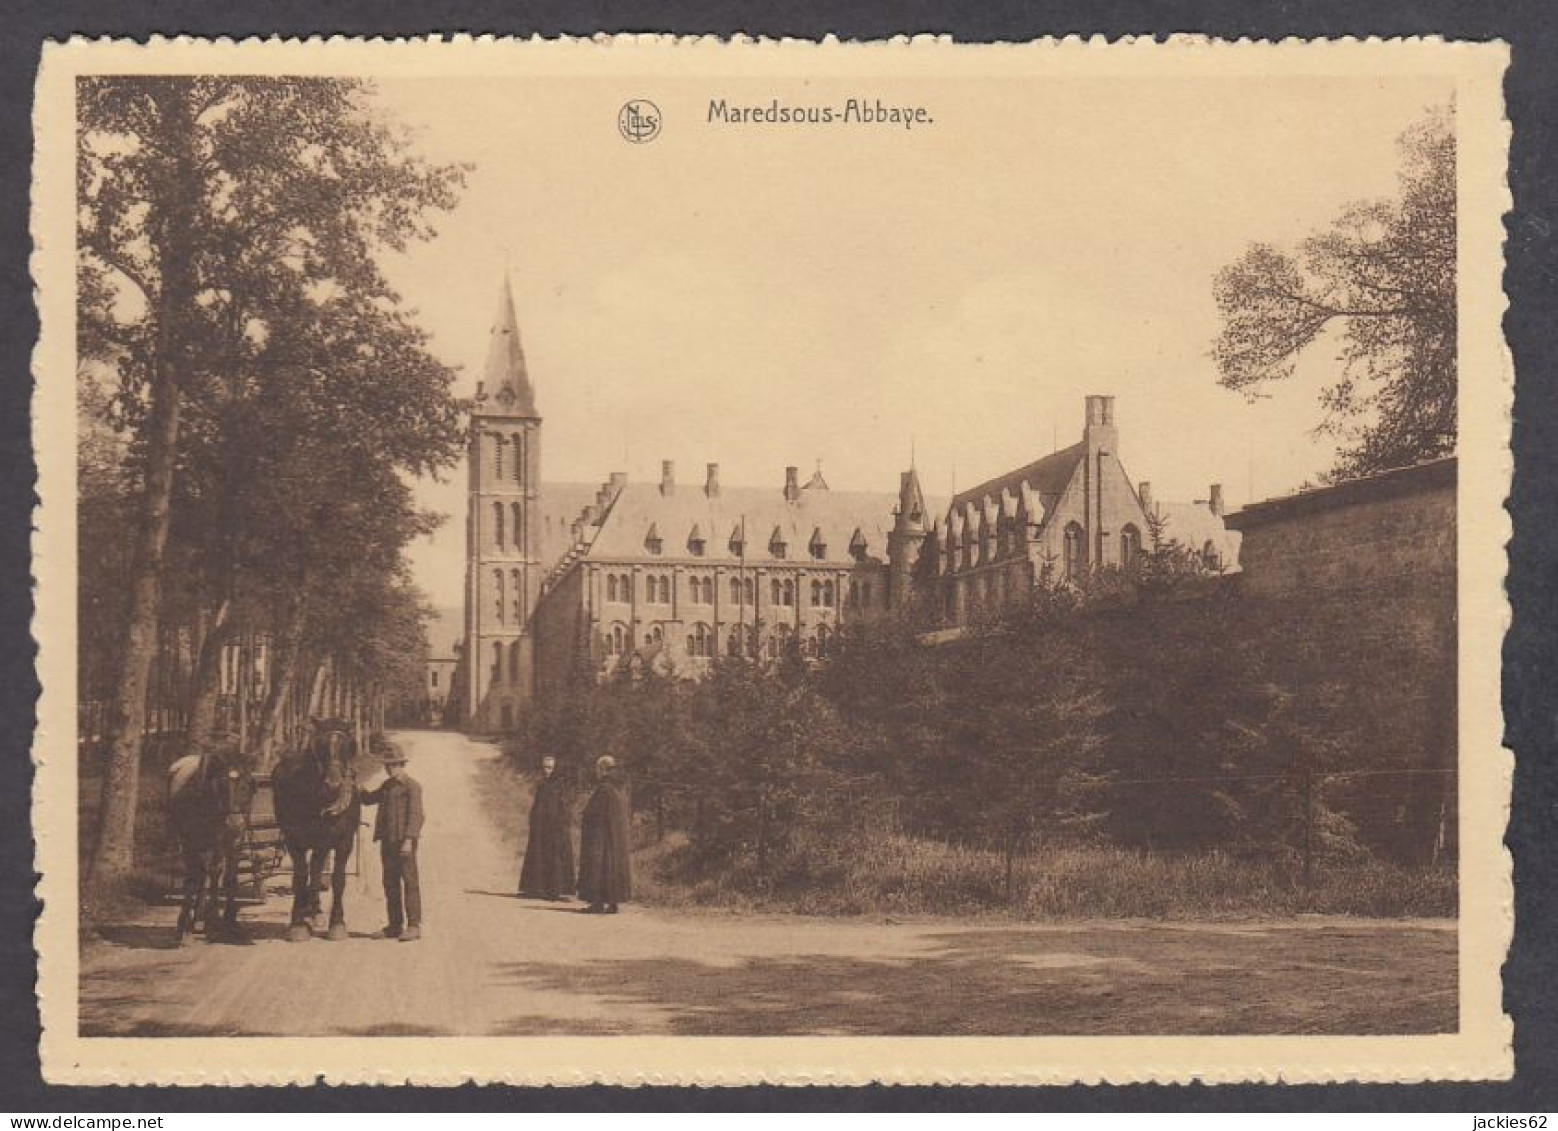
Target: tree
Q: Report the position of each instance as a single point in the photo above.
(227, 229)
(1381, 278)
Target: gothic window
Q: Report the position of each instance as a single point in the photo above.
(778, 592)
(789, 593)
(816, 594)
(497, 661)
(611, 587)
(519, 458)
(619, 640)
(497, 586)
(625, 587)
(519, 526)
(1075, 555)
(514, 662)
(517, 596)
(735, 591)
(1130, 546)
(748, 592)
(665, 590)
(497, 525)
(700, 643)
(497, 456)
(827, 594)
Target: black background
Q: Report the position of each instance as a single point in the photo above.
(1530, 650)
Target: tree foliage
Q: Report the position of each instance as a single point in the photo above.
(1380, 282)
(270, 385)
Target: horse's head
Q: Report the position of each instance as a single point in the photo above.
(229, 781)
(334, 750)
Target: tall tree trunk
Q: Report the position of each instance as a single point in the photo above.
(208, 679)
(114, 853)
(283, 670)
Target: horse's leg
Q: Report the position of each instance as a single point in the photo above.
(206, 890)
(342, 853)
(298, 929)
(193, 873)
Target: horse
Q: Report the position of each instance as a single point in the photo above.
(208, 799)
(318, 810)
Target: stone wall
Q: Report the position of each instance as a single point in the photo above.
(1392, 531)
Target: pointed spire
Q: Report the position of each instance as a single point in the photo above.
(505, 379)
(911, 500)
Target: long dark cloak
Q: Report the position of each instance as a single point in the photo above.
(605, 873)
(548, 867)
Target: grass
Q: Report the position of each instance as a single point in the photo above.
(888, 873)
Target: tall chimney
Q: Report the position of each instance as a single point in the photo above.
(711, 483)
(1214, 500)
(667, 477)
(1098, 431)
(1144, 493)
(792, 484)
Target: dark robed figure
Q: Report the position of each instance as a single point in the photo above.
(548, 868)
(605, 874)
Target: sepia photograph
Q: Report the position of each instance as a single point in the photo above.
(650, 540)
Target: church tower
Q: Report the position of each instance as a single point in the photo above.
(503, 532)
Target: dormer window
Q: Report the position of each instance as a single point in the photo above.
(695, 542)
(817, 545)
(738, 541)
(652, 542)
(776, 543)
(857, 545)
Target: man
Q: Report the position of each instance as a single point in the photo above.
(397, 829)
(548, 869)
(605, 873)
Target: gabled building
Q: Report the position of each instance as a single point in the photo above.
(1049, 522)
(674, 575)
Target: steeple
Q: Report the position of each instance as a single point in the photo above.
(505, 381)
(911, 501)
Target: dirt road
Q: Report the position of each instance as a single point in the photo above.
(492, 964)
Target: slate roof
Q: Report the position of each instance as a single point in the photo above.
(831, 518)
(1045, 477)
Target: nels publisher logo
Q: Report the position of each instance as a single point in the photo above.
(639, 121)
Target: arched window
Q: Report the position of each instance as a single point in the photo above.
(519, 526)
(657, 634)
(514, 662)
(748, 592)
(1130, 546)
(1075, 558)
(827, 594)
(778, 591)
(497, 661)
(789, 594)
(497, 456)
(519, 457)
(619, 639)
(611, 587)
(517, 596)
(625, 587)
(816, 594)
(497, 593)
(497, 525)
(665, 590)
(735, 591)
(733, 645)
(699, 642)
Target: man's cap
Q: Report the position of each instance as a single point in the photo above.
(395, 758)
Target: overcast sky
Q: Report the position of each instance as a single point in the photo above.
(763, 296)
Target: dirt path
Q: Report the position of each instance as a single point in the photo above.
(494, 964)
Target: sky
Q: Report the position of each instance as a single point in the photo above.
(760, 296)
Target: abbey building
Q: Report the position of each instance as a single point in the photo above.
(568, 578)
